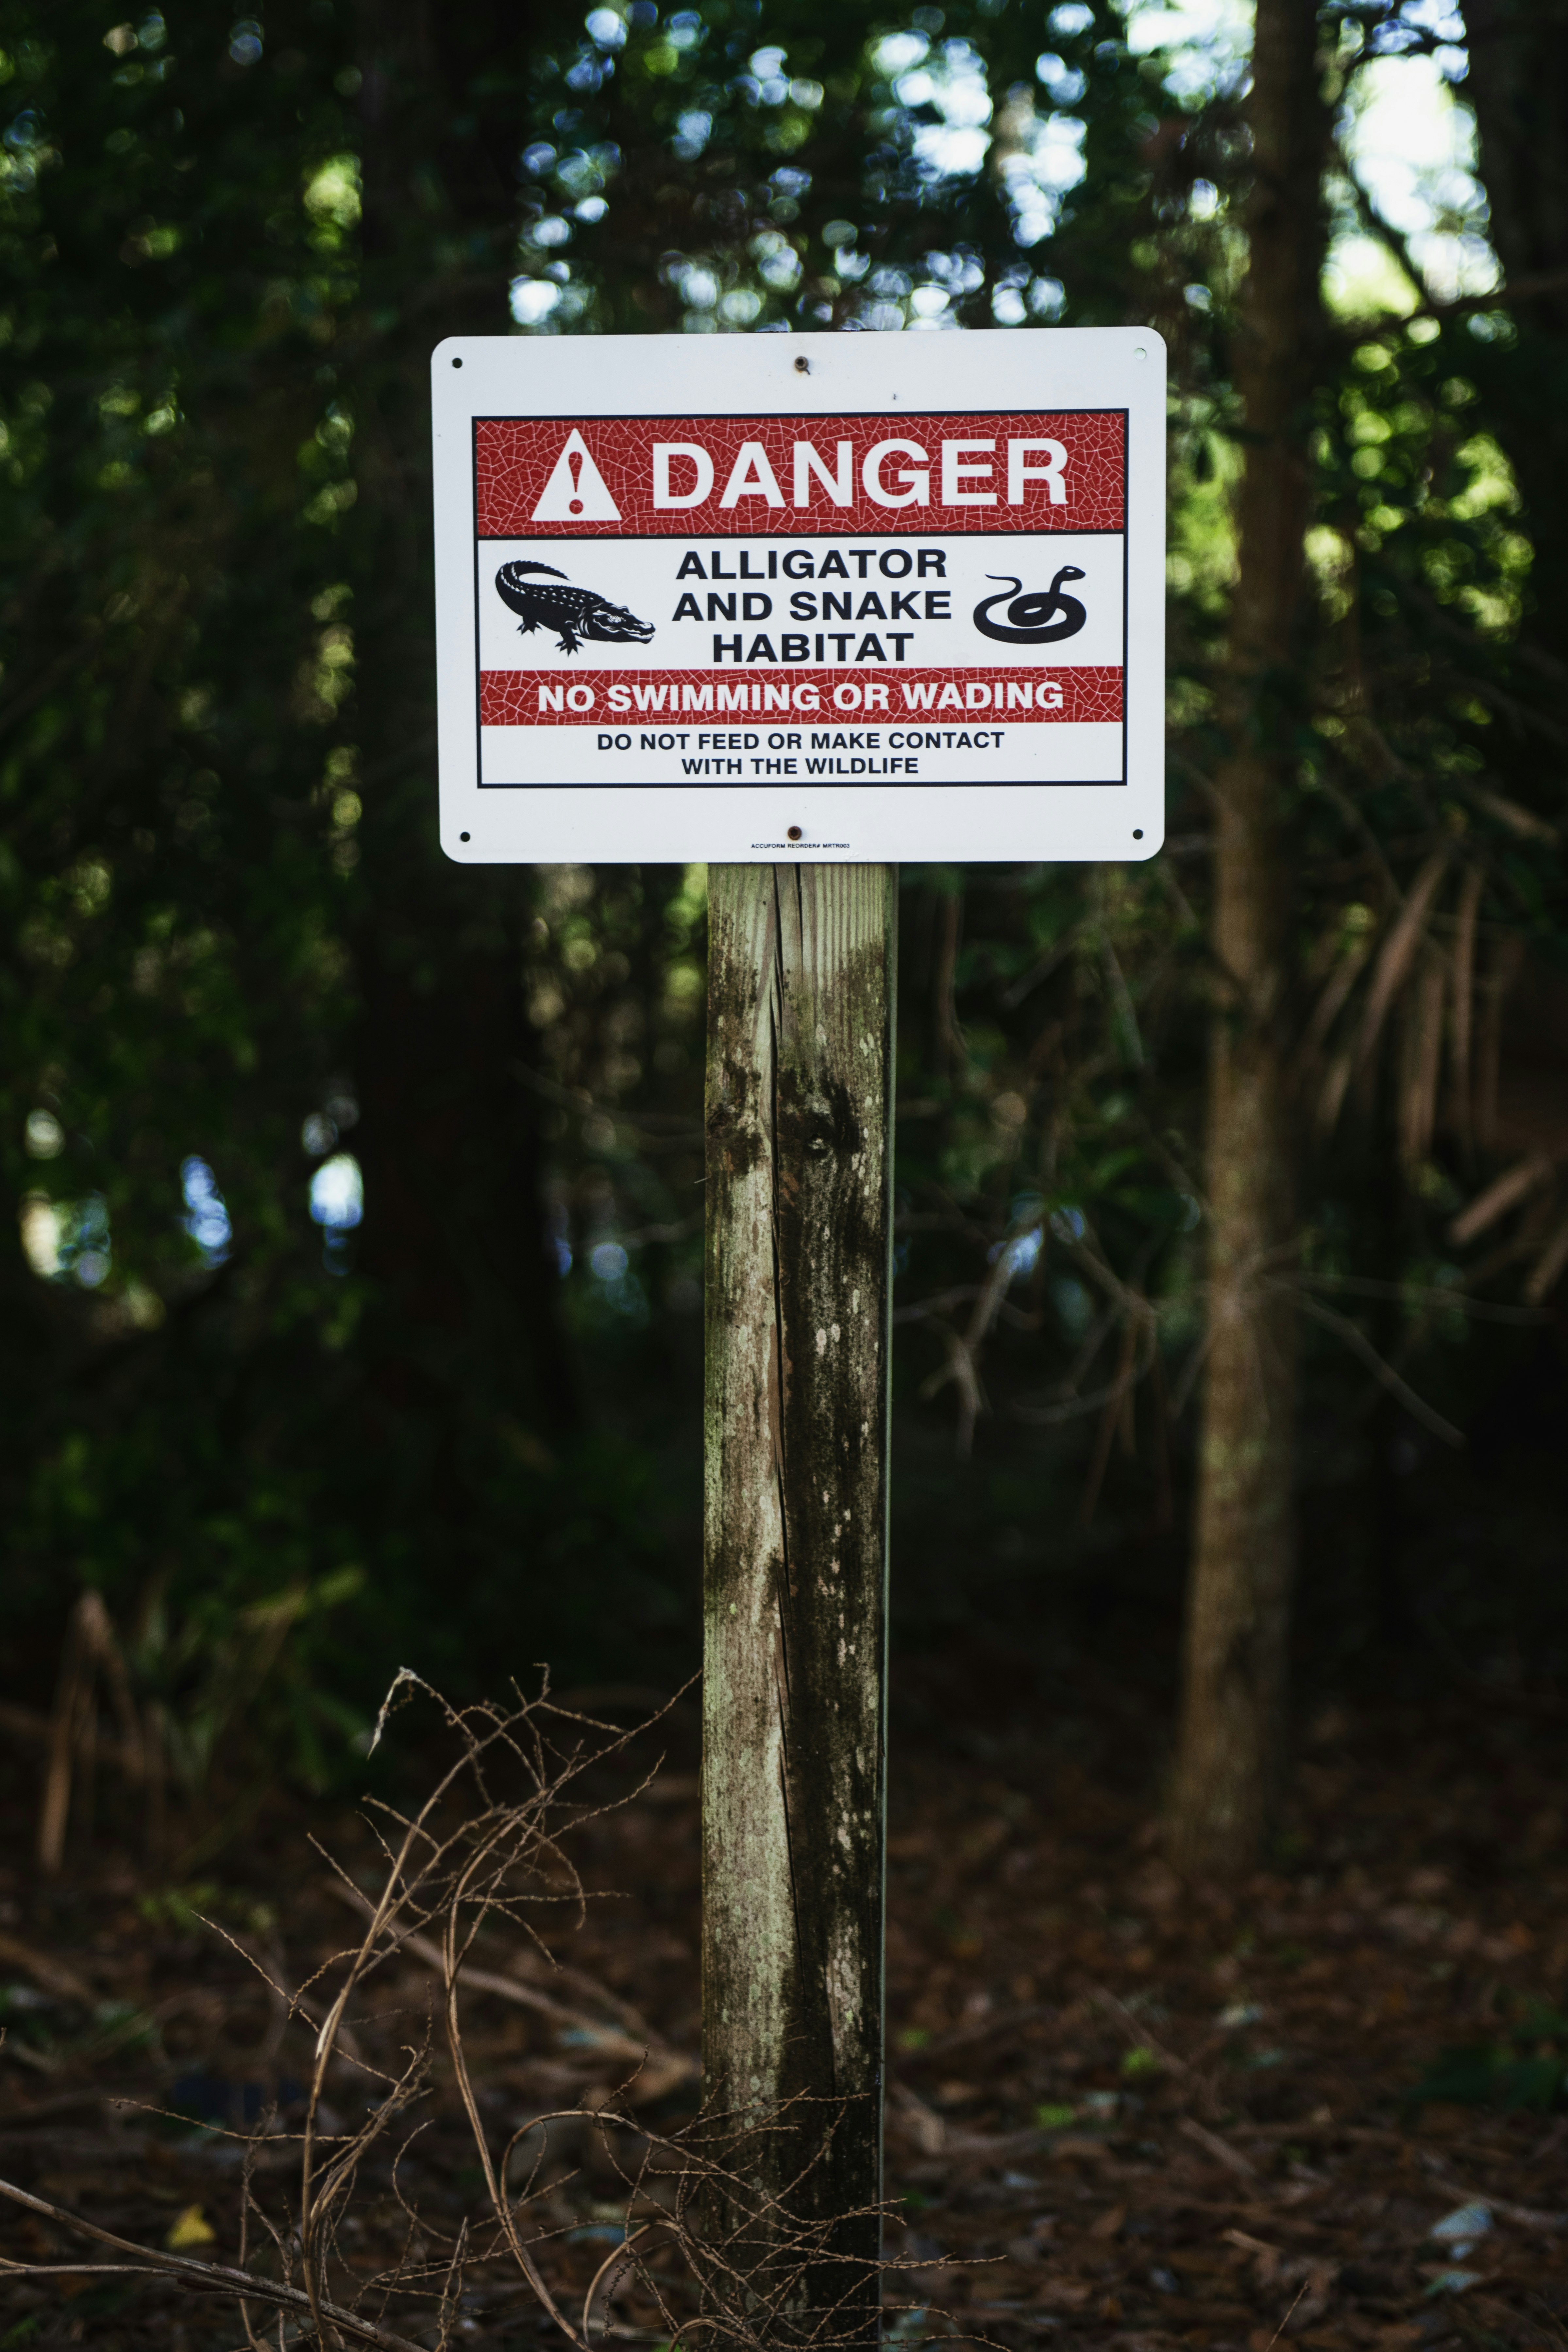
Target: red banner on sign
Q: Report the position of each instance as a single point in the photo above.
(708, 697)
(736, 476)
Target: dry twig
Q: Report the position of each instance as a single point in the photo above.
(706, 2252)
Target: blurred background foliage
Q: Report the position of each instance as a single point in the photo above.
(353, 1315)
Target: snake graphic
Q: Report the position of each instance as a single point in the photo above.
(1029, 621)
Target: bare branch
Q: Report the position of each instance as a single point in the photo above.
(1360, 1345)
(216, 2278)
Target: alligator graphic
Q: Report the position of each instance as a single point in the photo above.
(577, 612)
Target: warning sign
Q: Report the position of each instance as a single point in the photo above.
(753, 625)
(576, 490)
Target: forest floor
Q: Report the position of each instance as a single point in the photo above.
(1123, 2111)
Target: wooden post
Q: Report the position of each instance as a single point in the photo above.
(800, 1087)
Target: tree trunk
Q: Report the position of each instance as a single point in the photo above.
(464, 1331)
(1230, 1737)
(801, 966)
(1518, 83)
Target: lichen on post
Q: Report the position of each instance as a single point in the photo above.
(799, 1148)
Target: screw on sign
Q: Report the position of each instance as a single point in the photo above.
(817, 604)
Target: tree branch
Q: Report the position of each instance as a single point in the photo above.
(211, 2278)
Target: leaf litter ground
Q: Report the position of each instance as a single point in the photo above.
(1122, 2112)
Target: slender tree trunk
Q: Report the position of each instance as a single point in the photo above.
(799, 1162)
(1233, 1698)
(464, 1323)
(1517, 84)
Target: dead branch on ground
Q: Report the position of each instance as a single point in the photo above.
(704, 2253)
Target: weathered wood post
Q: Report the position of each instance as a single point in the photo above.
(799, 1118)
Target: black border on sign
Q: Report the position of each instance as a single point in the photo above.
(727, 416)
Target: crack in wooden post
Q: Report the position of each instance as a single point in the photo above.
(799, 1156)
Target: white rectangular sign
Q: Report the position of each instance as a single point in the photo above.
(859, 597)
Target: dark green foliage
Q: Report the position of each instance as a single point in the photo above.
(229, 938)
(1524, 2068)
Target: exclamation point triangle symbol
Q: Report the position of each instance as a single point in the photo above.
(576, 490)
